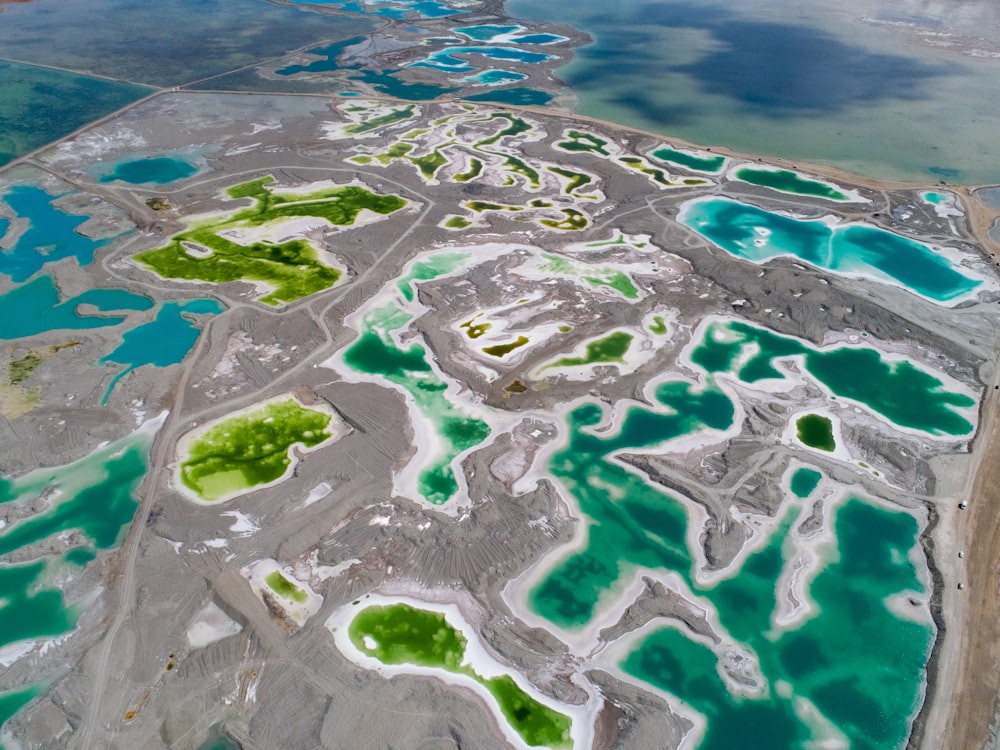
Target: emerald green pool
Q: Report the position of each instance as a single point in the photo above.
(816, 431)
(283, 587)
(804, 481)
(690, 161)
(376, 352)
(786, 181)
(757, 235)
(895, 389)
(401, 634)
(250, 448)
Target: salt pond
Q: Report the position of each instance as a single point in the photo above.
(852, 249)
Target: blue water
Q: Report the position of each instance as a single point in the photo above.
(51, 234)
(494, 77)
(394, 9)
(758, 235)
(35, 308)
(162, 342)
(519, 96)
(444, 59)
(383, 81)
(159, 170)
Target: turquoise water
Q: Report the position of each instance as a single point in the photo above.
(160, 170)
(519, 96)
(34, 308)
(710, 164)
(218, 741)
(856, 662)
(446, 60)
(395, 9)
(757, 235)
(896, 390)
(96, 497)
(494, 77)
(163, 341)
(14, 700)
(376, 353)
(804, 481)
(51, 234)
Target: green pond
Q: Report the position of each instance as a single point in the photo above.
(816, 431)
(250, 448)
(804, 481)
(860, 665)
(688, 160)
(757, 235)
(375, 352)
(291, 269)
(894, 389)
(401, 634)
(610, 349)
(283, 587)
(428, 268)
(786, 181)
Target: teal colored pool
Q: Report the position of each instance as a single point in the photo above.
(97, 499)
(375, 352)
(757, 235)
(395, 9)
(51, 235)
(163, 341)
(446, 60)
(494, 77)
(496, 33)
(519, 96)
(33, 308)
(894, 389)
(159, 170)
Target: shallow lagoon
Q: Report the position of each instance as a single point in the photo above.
(51, 234)
(758, 235)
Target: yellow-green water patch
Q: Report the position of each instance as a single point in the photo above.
(399, 634)
(659, 326)
(291, 269)
(573, 181)
(285, 588)
(473, 329)
(251, 448)
(502, 350)
(657, 175)
(578, 141)
(456, 222)
(607, 350)
(474, 170)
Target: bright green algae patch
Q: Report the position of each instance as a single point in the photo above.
(283, 587)
(596, 277)
(804, 481)
(401, 634)
(689, 161)
(376, 353)
(250, 448)
(292, 269)
(786, 181)
(816, 431)
(757, 235)
(897, 390)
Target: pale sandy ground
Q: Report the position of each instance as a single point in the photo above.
(962, 706)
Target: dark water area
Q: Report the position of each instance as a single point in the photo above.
(40, 105)
(166, 43)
